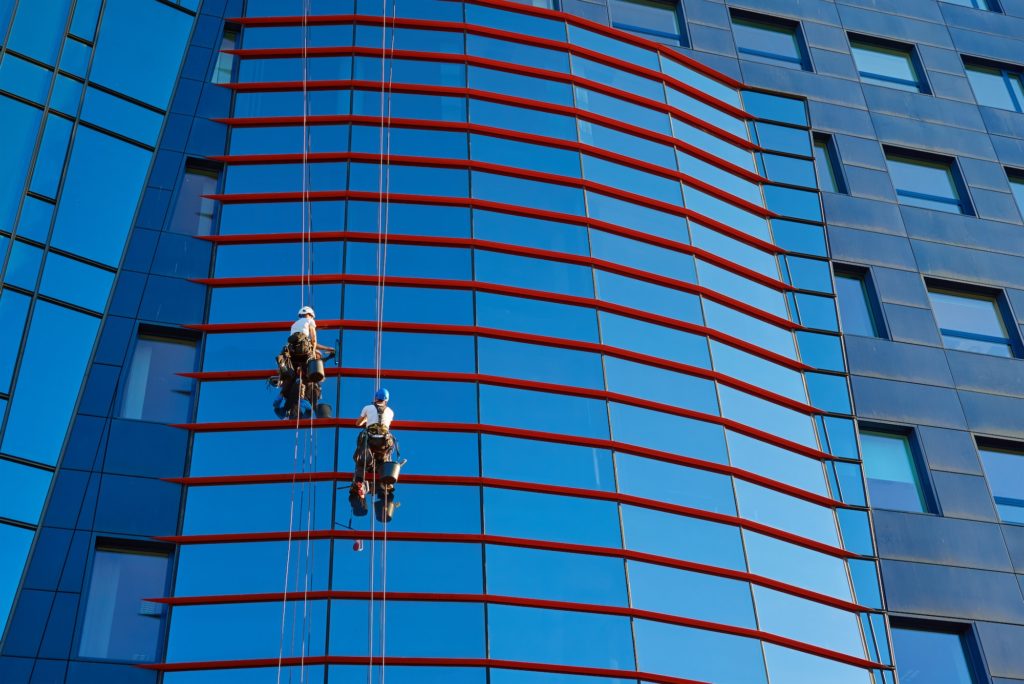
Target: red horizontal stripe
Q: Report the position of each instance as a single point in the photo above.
(432, 426)
(495, 333)
(399, 661)
(493, 288)
(609, 60)
(502, 207)
(345, 84)
(495, 599)
(510, 67)
(519, 383)
(506, 248)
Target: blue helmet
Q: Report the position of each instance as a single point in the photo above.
(381, 395)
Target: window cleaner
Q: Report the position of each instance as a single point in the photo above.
(373, 455)
(300, 370)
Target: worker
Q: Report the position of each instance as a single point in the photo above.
(374, 441)
(301, 347)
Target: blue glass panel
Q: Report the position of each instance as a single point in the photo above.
(798, 171)
(239, 630)
(829, 392)
(785, 512)
(24, 78)
(411, 71)
(505, 83)
(856, 531)
(404, 141)
(412, 180)
(741, 289)
(156, 55)
(633, 146)
(408, 675)
(766, 106)
(796, 565)
(21, 122)
(684, 652)
(540, 363)
(676, 536)
(625, 251)
(413, 566)
(16, 542)
(654, 340)
(13, 310)
(121, 116)
(515, 21)
(34, 434)
(416, 9)
(720, 178)
(406, 39)
(103, 182)
(720, 148)
(854, 309)
(411, 305)
(892, 472)
(613, 47)
(729, 214)
(707, 113)
(559, 636)
(53, 151)
(690, 594)
(783, 138)
(208, 569)
(525, 155)
(265, 451)
(616, 78)
(776, 463)
(408, 261)
(23, 266)
(803, 668)
(75, 57)
(675, 483)
(555, 576)
(703, 83)
(67, 93)
(38, 28)
(635, 216)
(536, 317)
(1004, 470)
(567, 465)
(414, 219)
(628, 179)
(528, 193)
(648, 297)
(536, 274)
(22, 491)
(817, 312)
(761, 372)
(453, 402)
(524, 677)
(801, 204)
(659, 385)
(256, 508)
(666, 432)
(530, 232)
(517, 53)
(532, 410)
(412, 351)
(765, 415)
(522, 119)
(76, 282)
(744, 327)
(622, 110)
(412, 629)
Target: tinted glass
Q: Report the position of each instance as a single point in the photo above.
(970, 322)
(119, 622)
(884, 65)
(657, 18)
(193, 213)
(825, 166)
(1005, 473)
(1017, 188)
(854, 308)
(154, 390)
(922, 183)
(771, 41)
(930, 657)
(994, 87)
(891, 472)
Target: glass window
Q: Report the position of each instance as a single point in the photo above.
(931, 656)
(887, 64)
(856, 304)
(154, 390)
(21, 121)
(892, 473)
(830, 178)
(76, 282)
(696, 654)
(16, 542)
(1017, 188)
(22, 491)
(928, 183)
(996, 86)
(655, 19)
(119, 623)
(767, 39)
(13, 311)
(225, 64)
(553, 575)
(970, 321)
(559, 636)
(1005, 472)
(976, 4)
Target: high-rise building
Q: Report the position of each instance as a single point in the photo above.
(701, 323)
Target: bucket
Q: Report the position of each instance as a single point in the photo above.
(387, 472)
(315, 370)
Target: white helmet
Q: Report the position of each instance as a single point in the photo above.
(307, 310)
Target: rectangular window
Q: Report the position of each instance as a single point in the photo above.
(768, 39)
(928, 182)
(119, 623)
(1017, 188)
(826, 163)
(193, 211)
(892, 473)
(858, 309)
(153, 390)
(987, 5)
(932, 654)
(1004, 469)
(887, 64)
(654, 19)
(996, 85)
(971, 321)
(224, 69)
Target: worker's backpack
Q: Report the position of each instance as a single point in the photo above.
(299, 345)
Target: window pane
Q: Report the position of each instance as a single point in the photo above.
(921, 183)
(153, 390)
(1017, 188)
(825, 166)
(225, 62)
(646, 16)
(885, 65)
(929, 657)
(22, 491)
(854, 306)
(773, 41)
(15, 541)
(970, 322)
(119, 623)
(1005, 473)
(891, 472)
(990, 87)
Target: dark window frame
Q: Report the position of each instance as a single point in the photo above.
(871, 298)
(1002, 302)
(755, 20)
(963, 201)
(1005, 445)
(232, 73)
(883, 44)
(124, 544)
(1015, 176)
(993, 5)
(966, 630)
(1007, 71)
(196, 165)
(675, 6)
(917, 461)
(832, 160)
